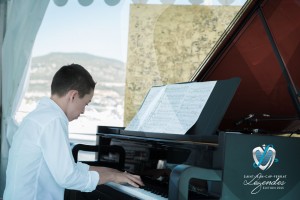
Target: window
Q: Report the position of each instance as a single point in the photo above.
(95, 37)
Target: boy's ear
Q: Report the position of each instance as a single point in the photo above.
(72, 94)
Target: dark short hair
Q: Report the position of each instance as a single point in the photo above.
(72, 77)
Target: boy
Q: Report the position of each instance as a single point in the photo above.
(40, 163)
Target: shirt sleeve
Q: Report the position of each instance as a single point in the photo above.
(56, 150)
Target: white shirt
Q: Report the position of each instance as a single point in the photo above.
(40, 162)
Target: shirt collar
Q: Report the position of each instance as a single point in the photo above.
(49, 102)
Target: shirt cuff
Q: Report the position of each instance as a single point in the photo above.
(93, 177)
(94, 180)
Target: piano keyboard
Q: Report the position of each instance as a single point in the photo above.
(139, 193)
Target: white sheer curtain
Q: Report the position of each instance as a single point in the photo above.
(23, 21)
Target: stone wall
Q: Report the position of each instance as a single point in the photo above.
(167, 43)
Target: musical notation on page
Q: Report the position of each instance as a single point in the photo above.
(173, 108)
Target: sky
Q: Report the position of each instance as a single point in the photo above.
(97, 29)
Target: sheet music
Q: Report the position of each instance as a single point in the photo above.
(172, 108)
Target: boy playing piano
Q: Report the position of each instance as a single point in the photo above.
(40, 163)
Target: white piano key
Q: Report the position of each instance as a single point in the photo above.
(136, 192)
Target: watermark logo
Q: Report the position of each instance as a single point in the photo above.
(264, 157)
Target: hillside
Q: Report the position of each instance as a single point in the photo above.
(102, 69)
(106, 72)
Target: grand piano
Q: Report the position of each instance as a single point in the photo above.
(262, 48)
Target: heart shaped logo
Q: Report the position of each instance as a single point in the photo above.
(264, 157)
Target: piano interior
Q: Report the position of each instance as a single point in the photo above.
(260, 47)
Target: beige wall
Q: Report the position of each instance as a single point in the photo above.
(166, 44)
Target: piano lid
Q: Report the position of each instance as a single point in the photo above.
(262, 47)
